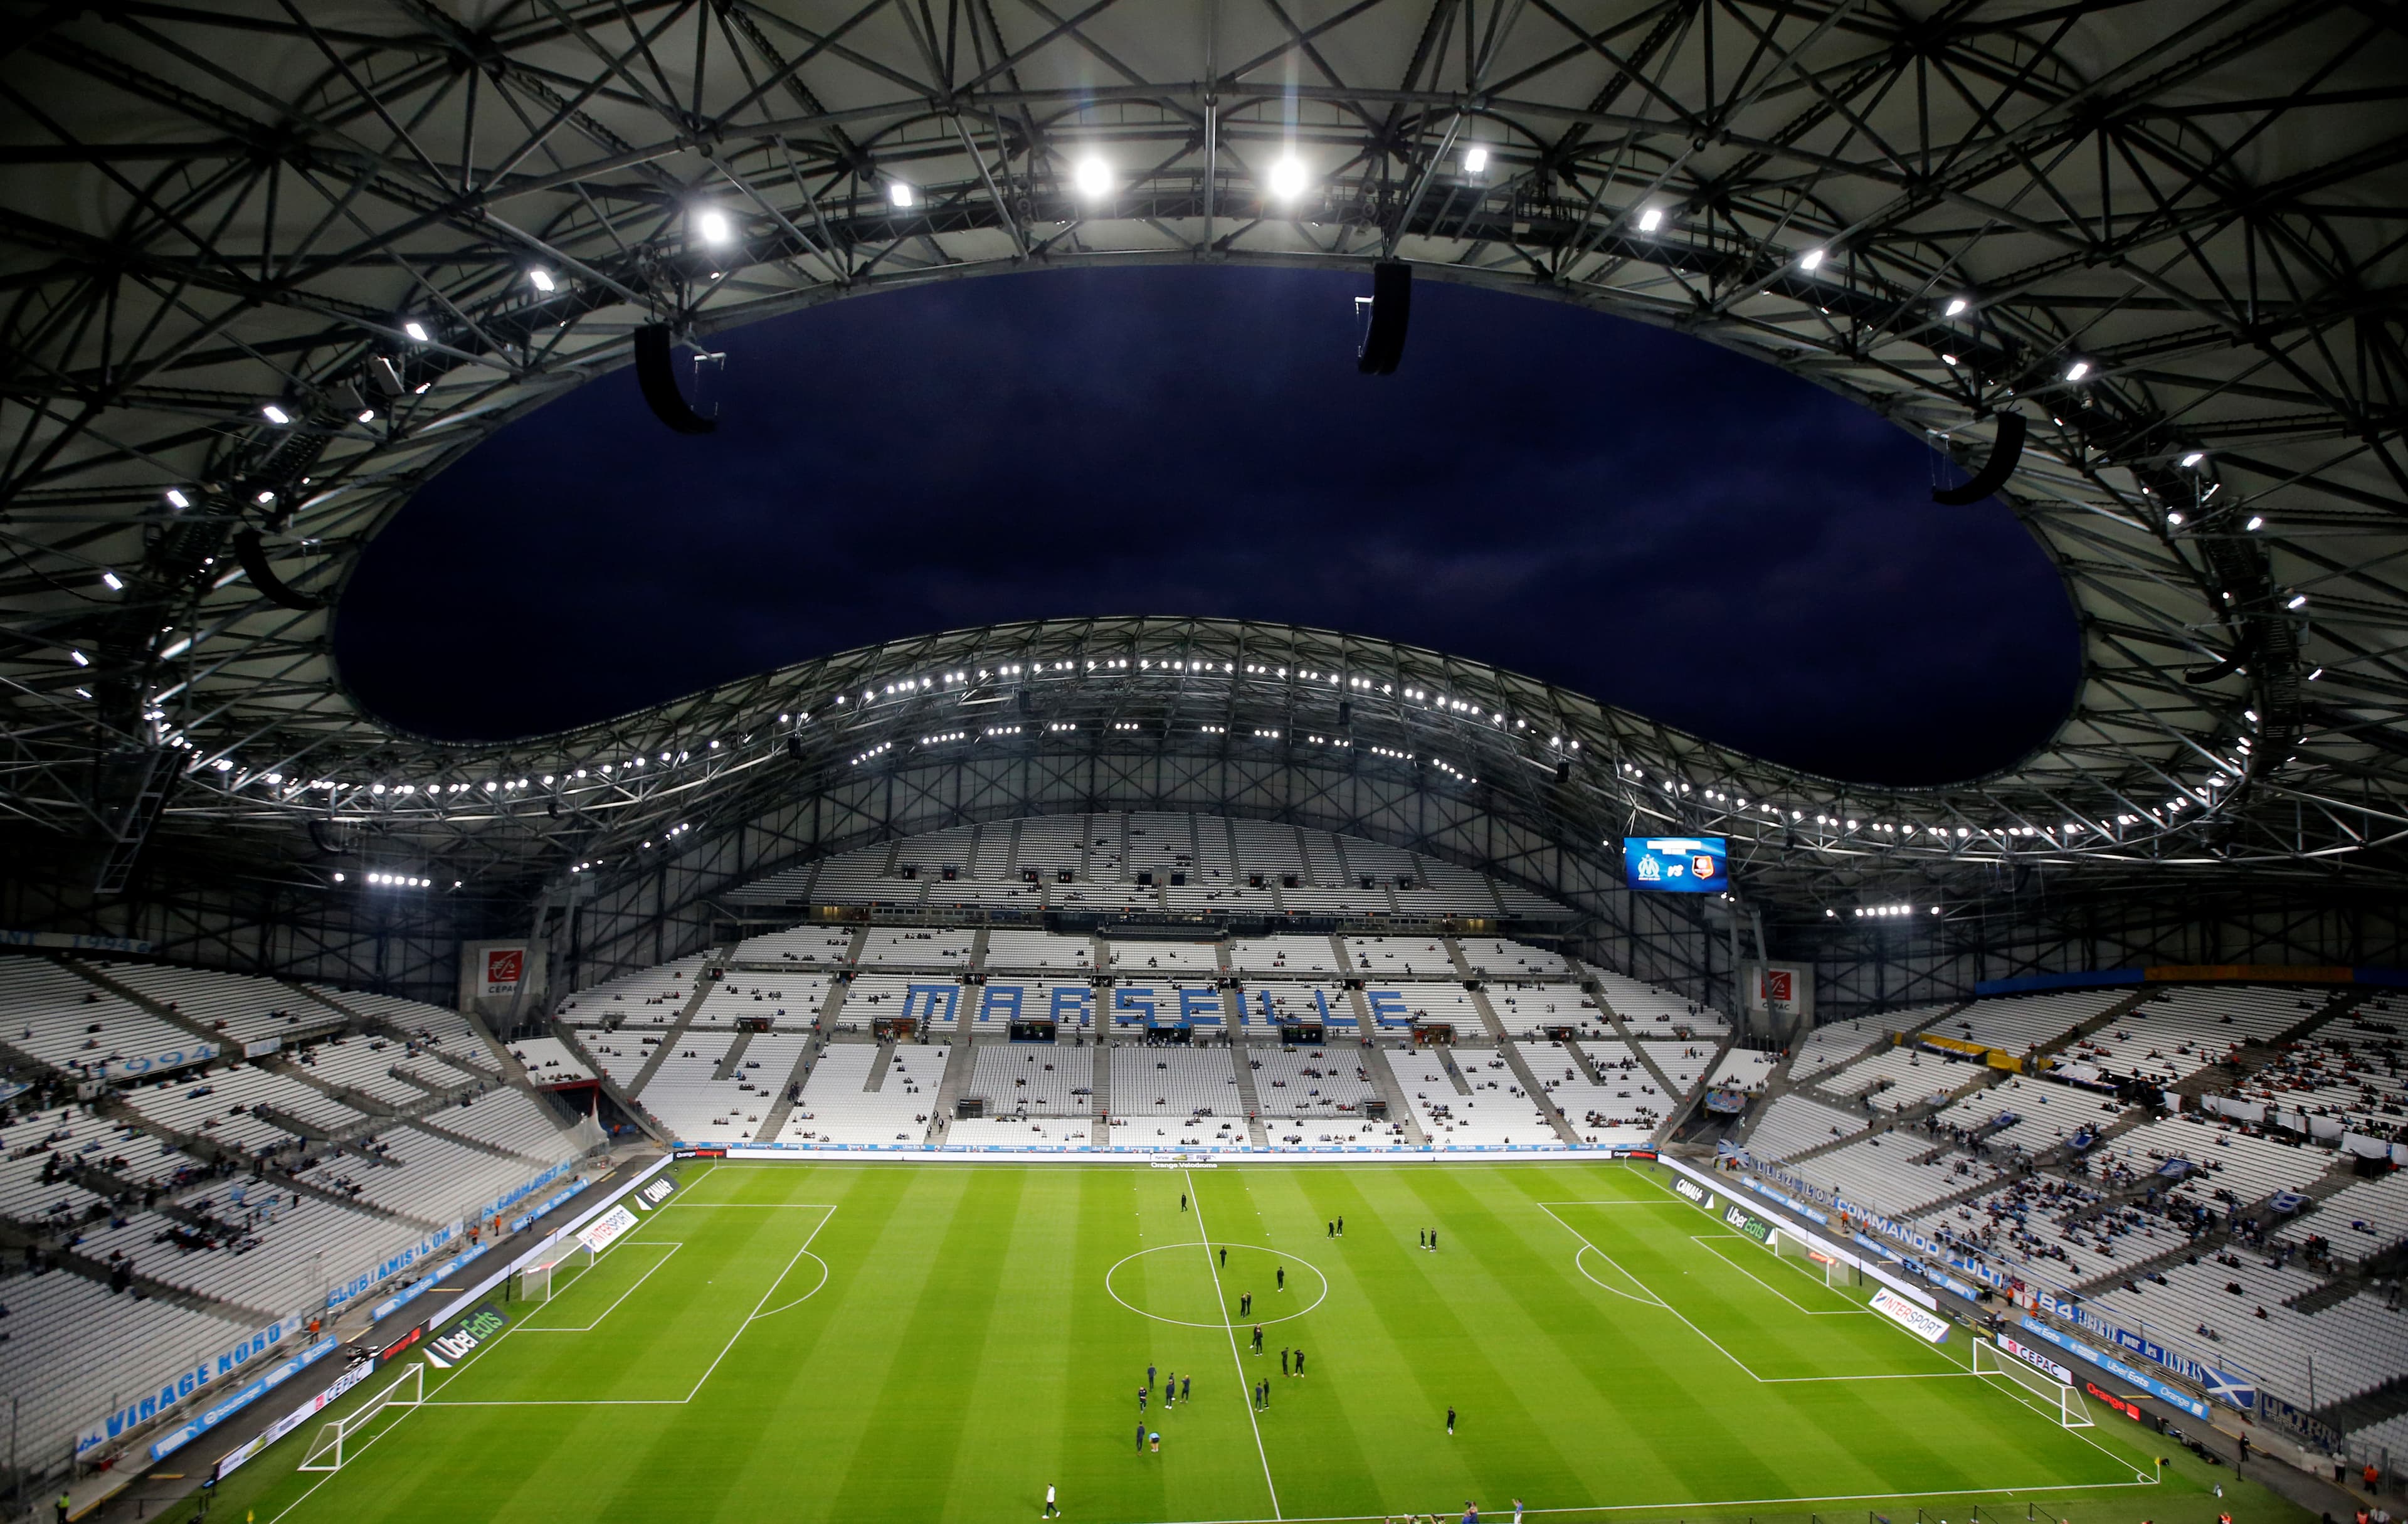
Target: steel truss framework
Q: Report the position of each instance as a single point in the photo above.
(270, 268)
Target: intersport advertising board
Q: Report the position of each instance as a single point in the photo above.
(1929, 1327)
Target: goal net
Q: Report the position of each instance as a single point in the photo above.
(326, 1452)
(1829, 1269)
(534, 1282)
(2030, 1386)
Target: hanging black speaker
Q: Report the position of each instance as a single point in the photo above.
(1991, 476)
(1392, 311)
(658, 378)
(254, 556)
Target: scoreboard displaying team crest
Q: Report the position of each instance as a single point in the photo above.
(1675, 864)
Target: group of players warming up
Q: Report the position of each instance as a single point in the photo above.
(1175, 1389)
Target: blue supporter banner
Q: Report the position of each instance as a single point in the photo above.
(2172, 1395)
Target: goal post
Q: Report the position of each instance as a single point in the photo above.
(1830, 1269)
(2030, 1386)
(536, 1281)
(327, 1452)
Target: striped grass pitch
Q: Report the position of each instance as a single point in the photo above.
(892, 1344)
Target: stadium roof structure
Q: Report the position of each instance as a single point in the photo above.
(272, 266)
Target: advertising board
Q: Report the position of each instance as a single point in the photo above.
(1694, 1191)
(1748, 1222)
(2238, 1391)
(604, 1230)
(233, 1402)
(2115, 1402)
(1929, 1326)
(446, 1350)
(2163, 1391)
(2034, 1357)
(353, 1374)
(197, 1373)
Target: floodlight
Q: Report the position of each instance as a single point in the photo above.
(1093, 178)
(1475, 159)
(2078, 369)
(81, 659)
(899, 193)
(1957, 305)
(109, 580)
(177, 499)
(542, 279)
(1650, 219)
(367, 415)
(275, 414)
(2175, 519)
(2193, 459)
(1812, 261)
(2256, 523)
(715, 228)
(2299, 600)
(415, 330)
(1288, 178)
(1949, 358)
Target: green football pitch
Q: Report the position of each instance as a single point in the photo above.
(899, 1342)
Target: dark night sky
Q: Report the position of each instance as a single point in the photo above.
(1632, 513)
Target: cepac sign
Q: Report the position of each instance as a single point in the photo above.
(2034, 1358)
(504, 968)
(496, 976)
(1675, 864)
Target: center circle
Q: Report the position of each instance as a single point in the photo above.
(1187, 1284)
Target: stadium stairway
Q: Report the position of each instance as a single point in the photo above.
(2367, 1408)
(1101, 1084)
(1531, 1087)
(134, 997)
(1595, 990)
(1453, 1072)
(358, 1100)
(425, 1123)
(1806, 1080)
(2216, 1079)
(704, 977)
(1384, 1080)
(128, 1194)
(1684, 1106)
(1578, 1057)
(2115, 1012)
(1982, 1080)
(16, 1240)
(1487, 1014)
(775, 1119)
(959, 1064)
(1247, 1097)
(733, 1059)
(202, 1148)
(625, 1103)
(2130, 1118)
